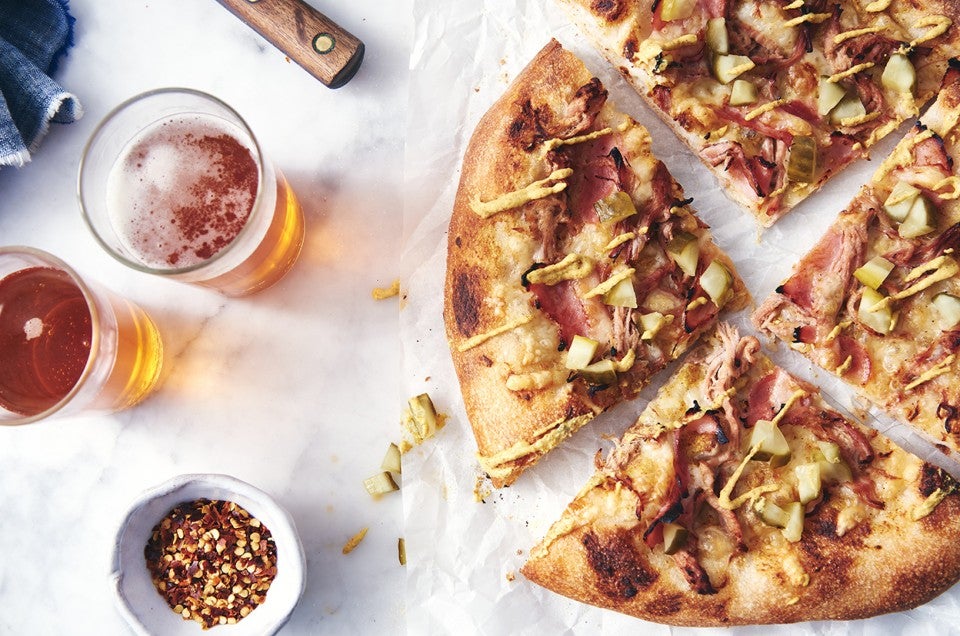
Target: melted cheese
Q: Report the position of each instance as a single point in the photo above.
(536, 190)
(530, 381)
(483, 337)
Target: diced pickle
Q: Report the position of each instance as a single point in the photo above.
(770, 442)
(849, 107)
(674, 537)
(835, 471)
(391, 460)
(727, 68)
(948, 306)
(874, 272)
(580, 352)
(802, 164)
(901, 199)
(808, 481)
(380, 484)
(622, 295)
(684, 249)
(743, 92)
(830, 451)
(615, 207)
(717, 282)
(921, 219)
(651, 324)
(676, 9)
(899, 74)
(423, 416)
(880, 319)
(717, 38)
(600, 373)
(829, 96)
(794, 528)
(771, 513)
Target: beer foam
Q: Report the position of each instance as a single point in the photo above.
(182, 190)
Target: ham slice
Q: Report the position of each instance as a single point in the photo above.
(564, 307)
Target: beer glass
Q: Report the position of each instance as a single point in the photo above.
(67, 345)
(173, 182)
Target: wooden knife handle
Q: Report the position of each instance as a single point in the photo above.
(309, 38)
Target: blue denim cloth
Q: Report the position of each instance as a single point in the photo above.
(34, 35)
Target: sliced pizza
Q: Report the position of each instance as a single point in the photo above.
(576, 268)
(775, 97)
(740, 497)
(877, 299)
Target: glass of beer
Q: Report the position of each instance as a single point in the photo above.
(173, 182)
(67, 345)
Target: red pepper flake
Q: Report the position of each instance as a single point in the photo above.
(211, 561)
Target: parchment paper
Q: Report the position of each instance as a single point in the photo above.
(464, 556)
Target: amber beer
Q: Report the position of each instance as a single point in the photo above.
(68, 346)
(188, 194)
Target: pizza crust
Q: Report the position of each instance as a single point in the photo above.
(851, 561)
(509, 355)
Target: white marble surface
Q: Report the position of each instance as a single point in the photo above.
(295, 390)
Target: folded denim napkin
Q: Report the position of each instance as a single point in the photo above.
(34, 34)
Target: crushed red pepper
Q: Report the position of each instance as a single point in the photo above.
(211, 561)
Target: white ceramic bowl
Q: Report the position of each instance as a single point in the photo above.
(147, 611)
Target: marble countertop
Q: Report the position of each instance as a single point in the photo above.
(295, 390)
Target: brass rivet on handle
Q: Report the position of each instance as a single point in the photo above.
(323, 43)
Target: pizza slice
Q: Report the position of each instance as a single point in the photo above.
(739, 497)
(775, 97)
(877, 300)
(576, 268)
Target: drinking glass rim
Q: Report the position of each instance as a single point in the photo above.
(261, 186)
(95, 321)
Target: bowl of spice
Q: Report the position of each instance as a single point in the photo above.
(207, 551)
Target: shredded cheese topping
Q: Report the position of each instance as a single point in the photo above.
(847, 35)
(936, 370)
(536, 190)
(572, 267)
(938, 26)
(756, 112)
(859, 119)
(610, 283)
(814, 18)
(877, 5)
(556, 142)
(483, 337)
(724, 497)
(953, 183)
(856, 68)
(617, 241)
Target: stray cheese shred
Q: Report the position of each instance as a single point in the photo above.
(756, 112)
(856, 68)
(610, 283)
(813, 18)
(556, 142)
(483, 337)
(382, 293)
(847, 35)
(536, 190)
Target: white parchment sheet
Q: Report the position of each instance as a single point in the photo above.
(463, 556)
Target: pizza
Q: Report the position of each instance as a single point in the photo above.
(775, 97)
(877, 300)
(740, 497)
(576, 268)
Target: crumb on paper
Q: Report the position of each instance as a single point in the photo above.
(482, 489)
(511, 577)
(382, 293)
(354, 541)
(402, 551)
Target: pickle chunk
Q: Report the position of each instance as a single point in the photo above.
(880, 319)
(581, 352)
(676, 9)
(948, 306)
(770, 443)
(802, 165)
(899, 74)
(874, 272)
(674, 537)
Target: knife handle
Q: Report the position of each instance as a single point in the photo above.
(309, 38)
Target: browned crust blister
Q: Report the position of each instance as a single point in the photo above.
(886, 562)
